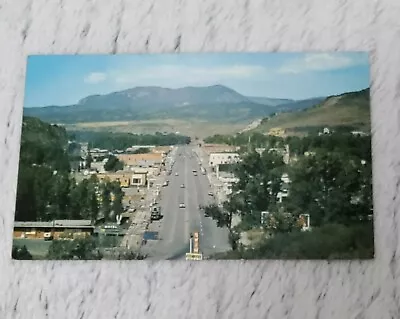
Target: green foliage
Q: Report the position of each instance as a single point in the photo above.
(44, 144)
(117, 206)
(45, 189)
(221, 216)
(331, 187)
(21, 253)
(332, 183)
(113, 164)
(332, 241)
(121, 141)
(81, 248)
(280, 222)
(141, 150)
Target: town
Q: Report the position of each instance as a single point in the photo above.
(217, 156)
(152, 202)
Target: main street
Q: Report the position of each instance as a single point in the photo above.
(178, 223)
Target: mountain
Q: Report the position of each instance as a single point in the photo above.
(345, 110)
(217, 103)
(269, 101)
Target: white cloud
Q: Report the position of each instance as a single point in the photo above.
(95, 77)
(322, 62)
(186, 75)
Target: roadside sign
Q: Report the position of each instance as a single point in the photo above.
(192, 256)
(196, 243)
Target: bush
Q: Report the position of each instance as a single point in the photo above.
(326, 242)
(21, 253)
(80, 248)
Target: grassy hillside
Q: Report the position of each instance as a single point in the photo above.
(349, 109)
(191, 127)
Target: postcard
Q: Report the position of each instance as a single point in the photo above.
(195, 157)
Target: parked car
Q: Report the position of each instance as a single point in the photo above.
(48, 236)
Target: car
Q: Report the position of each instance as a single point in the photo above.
(210, 194)
(183, 186)
(176, 174)
(182, 205)
(48, 236)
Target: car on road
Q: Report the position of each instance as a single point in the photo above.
(182, 205)
(182, 185)
(176, 174)
(210, 194)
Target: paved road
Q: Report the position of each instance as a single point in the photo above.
(177, 224)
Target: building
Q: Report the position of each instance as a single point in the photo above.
(276, 131)
(124, 178)
(142, 160)
(139, 179)
(219, 148)
(222, 158)
(161, 149)
(99, 166)
(57, 229)
(99, 153)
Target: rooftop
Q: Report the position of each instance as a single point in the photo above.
(67, 223)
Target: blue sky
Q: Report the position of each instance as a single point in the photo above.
(65, 79)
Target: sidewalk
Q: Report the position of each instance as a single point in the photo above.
(141, 220)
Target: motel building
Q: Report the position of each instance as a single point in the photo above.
(126, 179)
(56, 229)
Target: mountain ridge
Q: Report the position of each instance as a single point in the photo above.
(350, 109)
(214, 103)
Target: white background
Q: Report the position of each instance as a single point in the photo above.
(234, 289)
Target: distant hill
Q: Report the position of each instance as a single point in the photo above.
(212, 103)
(348, 109)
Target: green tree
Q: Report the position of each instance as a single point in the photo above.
(117, 206)
(21, 253)
(327, 186)
(81, 248)
(113, 164)
(105, 200)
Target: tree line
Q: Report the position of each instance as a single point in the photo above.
(330, 178)
(122, 141)
(46, 191)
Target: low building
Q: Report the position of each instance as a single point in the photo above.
(161, 149)
(99, 153)
(99, 166)
(139, 179)
(57, 229)
(142, 160)
(124, 178)
(219, 148)
(223, 158)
